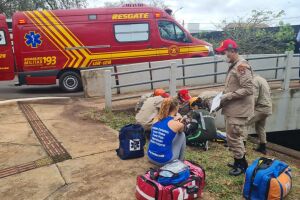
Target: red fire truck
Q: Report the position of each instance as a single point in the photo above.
(50, 45)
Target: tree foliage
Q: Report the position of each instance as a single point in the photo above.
(254, 34)
(8, 7)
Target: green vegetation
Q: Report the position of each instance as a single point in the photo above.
(223, 186)
(218, 183)
(254, 35)
(115, 119)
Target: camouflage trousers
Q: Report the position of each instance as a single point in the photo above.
(235, 132)
(259, 121)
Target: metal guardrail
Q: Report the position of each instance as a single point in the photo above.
(139, 83)
(296, 55)
(190, 65)
(201, 75)
(172, 78)
(267, 57)
(268, 69)
(202, 63)
(140, 70)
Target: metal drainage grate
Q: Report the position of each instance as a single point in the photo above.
(25, 167)
(53, 148)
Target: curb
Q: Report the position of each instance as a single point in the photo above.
(281, 149)
(12, 101)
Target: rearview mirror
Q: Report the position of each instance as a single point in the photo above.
(186, 38)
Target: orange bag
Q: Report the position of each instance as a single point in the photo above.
(283, 181)
(267, 179)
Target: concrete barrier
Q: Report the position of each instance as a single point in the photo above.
(164, 73)
(295, 62)
(93, 82)
(222, 67)
(198, 70)
(266, 63)
(286, 112)
(136, 77)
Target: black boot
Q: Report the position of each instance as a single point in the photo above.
(261, 148)
(232, 164)
(236, 170)
(240, 166)
(245, 163)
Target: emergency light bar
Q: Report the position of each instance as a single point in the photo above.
(157, 15)
(22, 21)
(134, 5)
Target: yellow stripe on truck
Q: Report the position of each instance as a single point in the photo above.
(68, 30)
(48, 25)
(44, 29)
(66, 35)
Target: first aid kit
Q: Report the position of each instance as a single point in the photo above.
(148, 187)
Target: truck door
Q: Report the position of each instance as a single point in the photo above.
(6, 55)
(172, 41)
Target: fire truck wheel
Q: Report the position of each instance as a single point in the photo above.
(70, 82)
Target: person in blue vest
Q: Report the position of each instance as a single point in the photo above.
(167, 139)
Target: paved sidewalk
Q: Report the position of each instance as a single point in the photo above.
(94, 172)
(27, 170)
(18, 143)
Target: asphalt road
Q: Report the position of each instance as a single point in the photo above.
(9, 91)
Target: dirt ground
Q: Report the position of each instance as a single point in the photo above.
(94, 172)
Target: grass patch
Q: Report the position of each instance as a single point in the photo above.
(114, 119)
(218, 183)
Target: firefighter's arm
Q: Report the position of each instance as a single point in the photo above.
(176, 126)
(245, 78)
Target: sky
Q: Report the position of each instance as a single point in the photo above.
(209, 13)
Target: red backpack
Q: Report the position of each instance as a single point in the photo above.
(147, 187)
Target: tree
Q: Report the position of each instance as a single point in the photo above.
(254, 34)
(8, 7)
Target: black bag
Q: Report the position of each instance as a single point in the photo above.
(132, 141)
(184, 108)
(200, 128)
